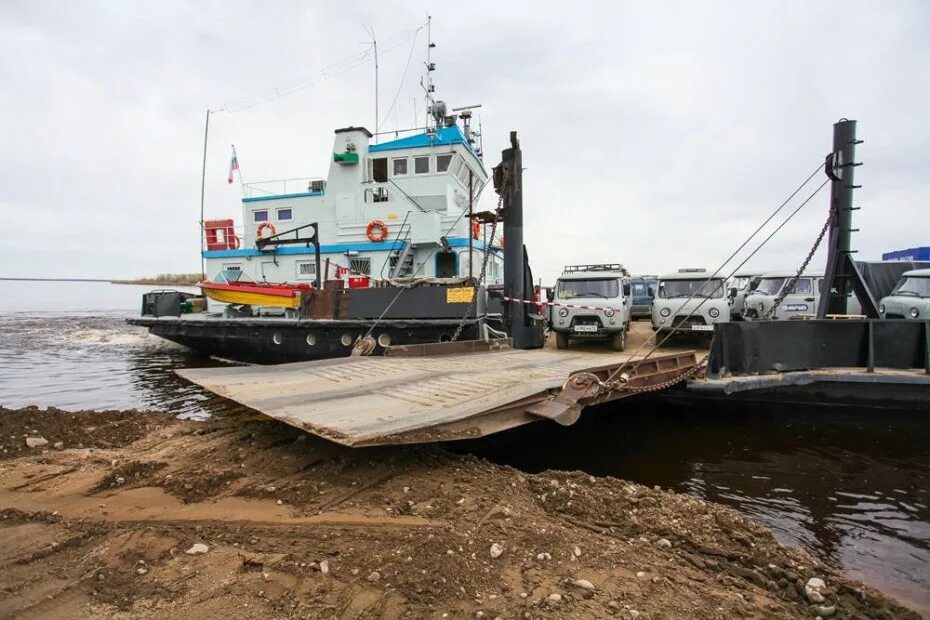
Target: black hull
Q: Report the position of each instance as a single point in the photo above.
(277, 341)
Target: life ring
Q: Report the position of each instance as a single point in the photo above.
(382, 233)
(263, 226)
(475, 229)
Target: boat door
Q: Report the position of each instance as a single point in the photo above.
(800, 300)
(446, 265)
(268, 271)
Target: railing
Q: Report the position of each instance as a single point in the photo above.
(403, 234)
(278, 187)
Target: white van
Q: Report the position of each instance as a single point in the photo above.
(592, 302)
(801, 300)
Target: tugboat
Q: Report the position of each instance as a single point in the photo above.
(388, 245)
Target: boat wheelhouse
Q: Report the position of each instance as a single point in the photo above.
(385, 210)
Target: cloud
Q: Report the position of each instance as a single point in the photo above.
(655, 134)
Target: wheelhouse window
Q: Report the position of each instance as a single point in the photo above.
(670, 289)
(400, 166)
(260, 216)
(604, 288)
(443, 161)
(421, 165)
(306, 270)
(285, 215)
(360, 264)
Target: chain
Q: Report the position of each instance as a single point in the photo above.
(484, 266)
(791, 281)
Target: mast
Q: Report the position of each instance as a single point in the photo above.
(430, 67)
(203, 181)
(374, 43)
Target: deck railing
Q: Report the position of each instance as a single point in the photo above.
(279, 187)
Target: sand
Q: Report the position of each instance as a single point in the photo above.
(99, 525)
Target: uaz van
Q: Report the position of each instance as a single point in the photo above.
(800, 301)
(592, 302)
(687, 301)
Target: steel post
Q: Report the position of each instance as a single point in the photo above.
(839, 272)
(514, 268)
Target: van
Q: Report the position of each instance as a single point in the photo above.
(910, 299)
(800, 302)
(642, 291)
(741, 285)
(592, 302)
(689, 301)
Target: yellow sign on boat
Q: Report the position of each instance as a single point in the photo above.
(462, 295)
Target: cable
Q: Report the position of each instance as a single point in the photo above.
(754, 252)
(338, 68)
(626, 362)
(817, 169)
(403, 77)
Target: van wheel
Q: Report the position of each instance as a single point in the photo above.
(561, 341)
(618, 341)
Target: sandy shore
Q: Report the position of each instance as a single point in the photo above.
(100, 521)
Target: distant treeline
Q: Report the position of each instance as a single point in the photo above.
(166, 279)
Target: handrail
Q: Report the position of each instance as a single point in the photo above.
(400, 231)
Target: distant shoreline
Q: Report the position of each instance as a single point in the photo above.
(150, 281)
(157, 282)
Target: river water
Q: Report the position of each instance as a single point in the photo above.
(851, 487)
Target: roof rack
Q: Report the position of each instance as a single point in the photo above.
(597, 267)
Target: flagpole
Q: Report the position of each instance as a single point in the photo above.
(203, 181)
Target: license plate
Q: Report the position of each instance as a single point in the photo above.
(702, 328)
(585, 328)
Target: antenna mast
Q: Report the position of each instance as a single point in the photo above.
(374, 43)
(430, 67)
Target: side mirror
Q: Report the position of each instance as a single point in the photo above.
(733, 292)
(550, 294)
(652, 292)
(626, 290)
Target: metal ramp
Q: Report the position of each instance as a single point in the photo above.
(367, 401)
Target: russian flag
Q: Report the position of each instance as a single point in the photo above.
(233, 166)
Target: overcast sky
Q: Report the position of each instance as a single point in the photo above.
(656, 134)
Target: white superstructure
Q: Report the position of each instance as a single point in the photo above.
(418, 187)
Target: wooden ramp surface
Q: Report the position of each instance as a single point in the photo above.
(359, 401)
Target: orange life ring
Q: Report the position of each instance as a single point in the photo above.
(475, 229)
(382, 231)
(263, 226)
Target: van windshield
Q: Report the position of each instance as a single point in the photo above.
(669, 289)
(913, 287)
(770, 286)
(571, 289)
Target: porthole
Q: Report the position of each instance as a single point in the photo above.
(311, 340)
(384, 340)
(346, 340)
(277, 338)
